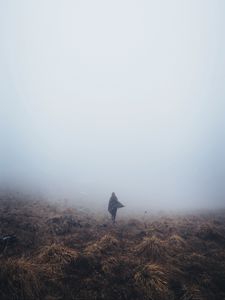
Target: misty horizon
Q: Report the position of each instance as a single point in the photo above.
(124, 97)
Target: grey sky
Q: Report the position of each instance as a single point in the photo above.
(124, 96)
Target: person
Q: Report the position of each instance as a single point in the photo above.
(114, 204)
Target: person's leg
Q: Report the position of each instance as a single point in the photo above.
(114, 215)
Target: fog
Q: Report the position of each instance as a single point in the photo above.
(124, 96)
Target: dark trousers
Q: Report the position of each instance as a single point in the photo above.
(113, 213)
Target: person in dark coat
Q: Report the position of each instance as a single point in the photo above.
(114, 204)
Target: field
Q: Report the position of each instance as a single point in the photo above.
(59, 252)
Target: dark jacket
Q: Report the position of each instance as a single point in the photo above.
(114, 204)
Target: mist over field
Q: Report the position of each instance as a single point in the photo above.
(112, 149)
(124, 96)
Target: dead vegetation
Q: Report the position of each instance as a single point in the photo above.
(20, 279)
(151, 248)
(106, 245)
(152, 280)
(60, 253)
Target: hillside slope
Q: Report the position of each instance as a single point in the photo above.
(63, 253)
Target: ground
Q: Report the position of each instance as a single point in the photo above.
(61, 252)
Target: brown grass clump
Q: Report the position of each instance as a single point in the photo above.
(108, 242)
(105, 245)
(176, 241)
(110, 265)
(57, 254)
(152, 281)
(192, 293)
(62, 225)
(55, 260)
(151, 248)
(176, 244)
(20, 279)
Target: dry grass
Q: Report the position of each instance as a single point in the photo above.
(176, 241)
(20, 279)
(151, 248)
(106, 245)
(192, 293)
(56, 254)
(61, 253)
(110, 265)
(152, 281)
